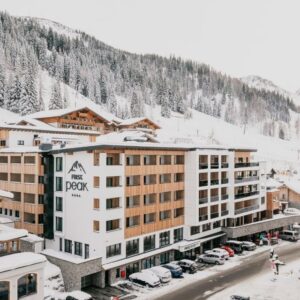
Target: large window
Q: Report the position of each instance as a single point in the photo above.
(149, 218)
(4, 290)
(178, 235)
(58, 184)
(112, 225)
(27, 285)
(132, 247)
(58, 164)
(68, 246)
(149, 242)
(78, 249)
(132, 221)
(113, 250)
(112, 203)
(59, 204)
(165, 258)
(59, 224)
(164, 238)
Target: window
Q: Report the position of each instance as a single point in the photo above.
(178, 235)
(58, 184)
(15, 177)
(1, 210)
(78, 249)
(41, 199)
(165, 258)
(132, 221)
(112, 225)
(165, 159)
(6, 211)
(164, 215)
(132, 247)
(3, 159)
(10, 212)
(178, 177)
(30, 160)
(149, 218)
(60, 244)
(4, 176)
(178, 212)
(149, 199)
(29, 198)
(263, 200)
(195, 230)
(164, 178)
(27, 285)
(96, 226)
(96, 203)
(41, 179)
(112, 203)
(164, 238)
(29, 178)
(96, 159)
(20, 142)
(96, 181)
(206, 227)
(165, 197)
(179, 159)
(148, 262)
(58, 164)
(149, 242)
(86, 251)
(113, 181)
(15, 159)
(68, 246)
(132, 201)
(17, 214)
(59, 204)
(4, 290)
(2, 143)
(179, 195)
(113, 250)
(59, 224)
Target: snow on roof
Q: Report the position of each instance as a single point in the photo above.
(20, 260)
(32, 238)
(21, 149)
(131, 121)
(51, 270)
(294, 185)
(272, 183)
(8, 116)
(32, 122)
(8, 233)
(5, 194)
(123, 135)
(6, 221)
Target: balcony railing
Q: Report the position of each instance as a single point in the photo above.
(243, 165)
(246, 179)
(214, 215)
(224, 165)
(203, 166)
(214, 165)
(203, 183)
(246, 209)
(203, 218)
(244, 195)
(224, 180)
(214, 182)
(203, 200)
(224, 213)
(224, 197)
(214, 198)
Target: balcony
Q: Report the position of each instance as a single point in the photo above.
(224, 180)
(244, 195)
(246, 179)
(224, 165)
(224, 213)
(214, 215)
(203, 201)
(214, 198)
(246, 165)
(246, 209)
(224, 197)
(214, 182)
(203, 183)
(203, 166)
(203, 218)
(214, 165)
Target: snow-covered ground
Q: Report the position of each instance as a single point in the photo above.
(263, 287)
(144, 293)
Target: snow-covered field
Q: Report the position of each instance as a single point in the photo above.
(263, 287)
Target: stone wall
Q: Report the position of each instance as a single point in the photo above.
(73, 272)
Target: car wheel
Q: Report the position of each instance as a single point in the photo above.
(200, 260)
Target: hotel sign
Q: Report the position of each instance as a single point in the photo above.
(76, 182)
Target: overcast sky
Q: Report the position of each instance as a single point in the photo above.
(239, 37)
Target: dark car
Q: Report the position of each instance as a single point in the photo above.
(175, 270)
(236, 246)
(237, 297)
(188, 266)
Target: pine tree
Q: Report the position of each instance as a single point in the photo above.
(56, 99)
(165, 109)
(2, 87)
(136, 106)
(29, 102)
(113, 105)
(14, 97)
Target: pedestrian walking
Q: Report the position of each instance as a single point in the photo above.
(277, 263)
(271, 252)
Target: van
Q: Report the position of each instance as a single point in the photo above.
(236, 246)
(289, 235)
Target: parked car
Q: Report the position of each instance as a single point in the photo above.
(237, 297)
(188, 266)
(219, 251)
(212, 258)
(176, 271)
(291, 211)
(235, 245)
(162, 273)
(249, 246)
(77, 295)
(229, 250)
(289, 235)
(145, 278)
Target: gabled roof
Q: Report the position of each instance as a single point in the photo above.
(133, 121)
(105, 116)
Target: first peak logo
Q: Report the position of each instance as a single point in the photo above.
(77, 166)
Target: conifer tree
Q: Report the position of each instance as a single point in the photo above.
(56, 99)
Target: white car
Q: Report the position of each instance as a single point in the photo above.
(220, 251)
(145, 278)
(162, 273)
(212, 258)
(291, 211)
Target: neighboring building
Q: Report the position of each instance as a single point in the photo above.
(274, 205)
(289, 193)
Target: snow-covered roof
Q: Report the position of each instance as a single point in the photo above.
(294, 185)
(9, 233)
(8, 116)
(6, 194)
(5, 221)
(122, 136)
(132, 121)
(20, 260)
(32, 238)
(272, 184)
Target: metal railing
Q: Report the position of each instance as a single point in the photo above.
(214, 198)
(214, 215)
(203, 200)
(203, 166)
(203, 218)
(224, 213)
(203, 182)
(243, 165)
(246, 209)
(224, 165)
(246, 179)
(244, 195)
(224, 180)
(224, 197)
(214, 182)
